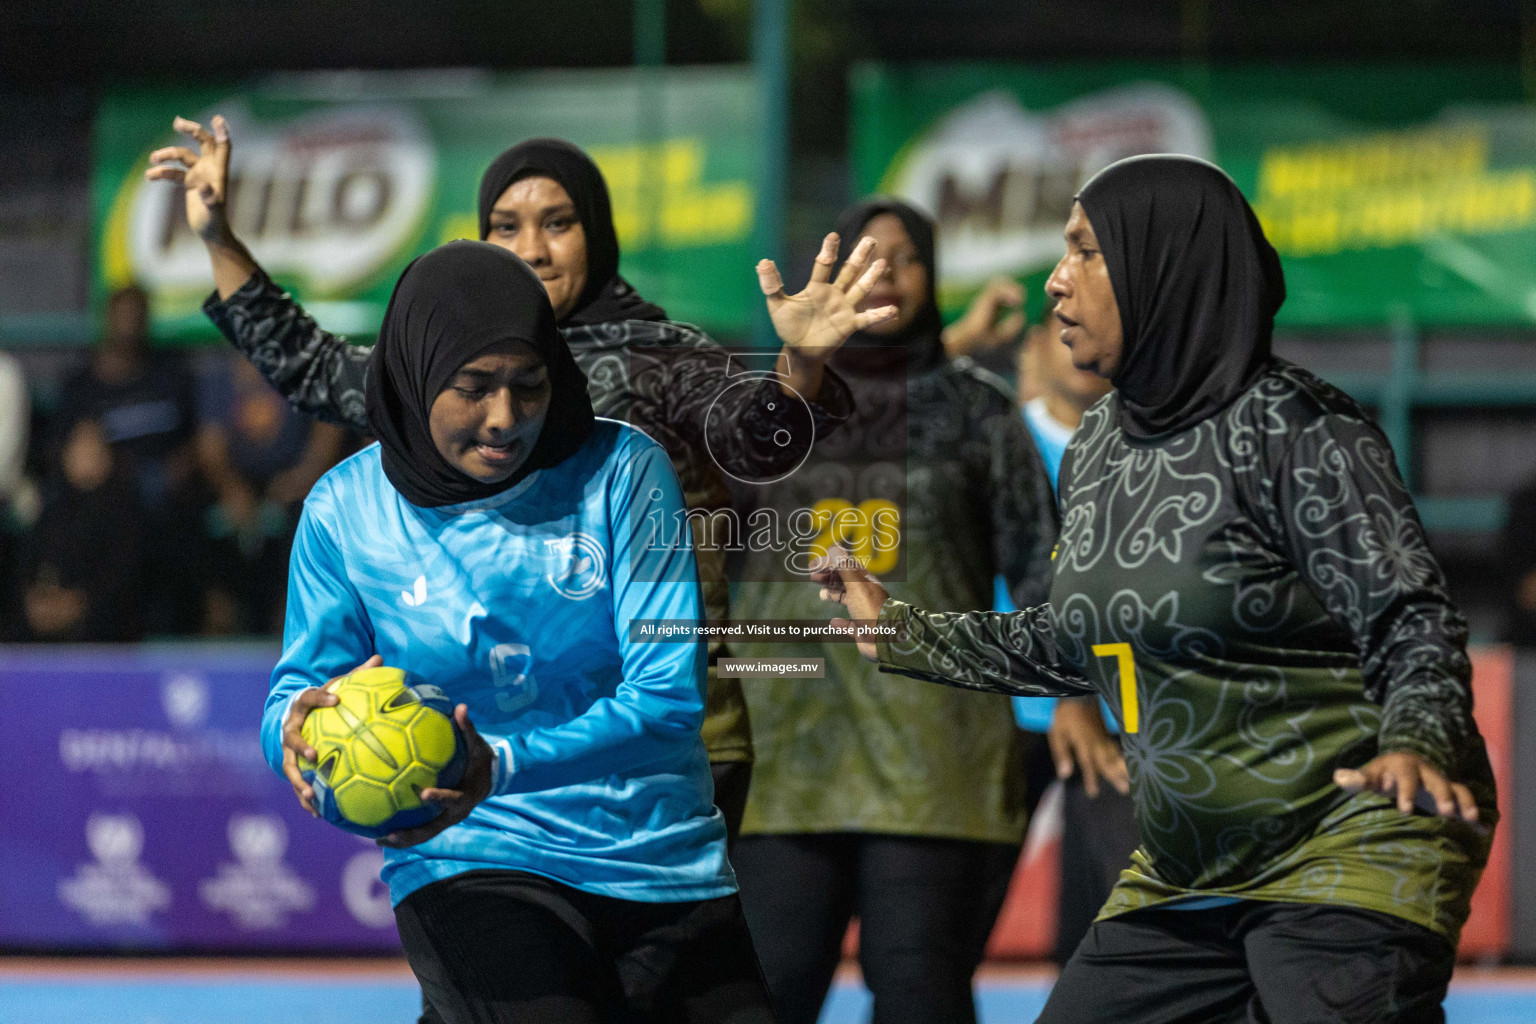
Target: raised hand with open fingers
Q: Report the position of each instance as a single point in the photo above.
(993, 319)
(815, 321)
(203, 173)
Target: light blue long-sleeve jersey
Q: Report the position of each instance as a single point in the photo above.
(518, 606)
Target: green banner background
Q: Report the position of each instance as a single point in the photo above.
(344, 178)
(1391, 192)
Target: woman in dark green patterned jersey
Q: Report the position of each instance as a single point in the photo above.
(904, 809)
(1242, 575)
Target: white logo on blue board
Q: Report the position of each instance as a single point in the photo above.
(581, 566)
(185, 699)
(116, 889)
(365, 895)
(258, 890)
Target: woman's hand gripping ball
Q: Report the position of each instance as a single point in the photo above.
(294, 744)
(456, 803)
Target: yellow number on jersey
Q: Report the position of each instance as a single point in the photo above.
(1130, 708)
(870, 530)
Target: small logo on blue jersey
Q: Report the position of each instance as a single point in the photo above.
(418, 596)
(580, 566)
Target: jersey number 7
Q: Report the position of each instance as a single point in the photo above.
(1130, 708)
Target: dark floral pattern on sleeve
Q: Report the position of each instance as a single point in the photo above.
(319, 373)
(666, 378)
(999, 652)
(1341, 513)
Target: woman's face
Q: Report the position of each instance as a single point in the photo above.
(1085, 300)
(905, 282)
(488, 418)
(536, 219)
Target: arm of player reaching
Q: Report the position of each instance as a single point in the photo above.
(659, 705)
(326, 634)
(999, 652)
(1347, 523)
(319, 373)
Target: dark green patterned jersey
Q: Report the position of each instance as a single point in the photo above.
(1254, 597)
(848, 752)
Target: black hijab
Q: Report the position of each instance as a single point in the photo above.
(448, 307)
(1197, 284)
(607, 297)
(921, 338)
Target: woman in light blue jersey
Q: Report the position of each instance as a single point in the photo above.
(497, 542)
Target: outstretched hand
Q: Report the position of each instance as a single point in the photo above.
(817, 320)
(845, 581)
(1414, 781)
(203, 174)
(456, 803)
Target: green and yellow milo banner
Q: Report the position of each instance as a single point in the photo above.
(1389, 192)
(339, 180)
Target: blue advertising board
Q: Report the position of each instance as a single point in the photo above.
(139, 813)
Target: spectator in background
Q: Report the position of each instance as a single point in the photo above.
(143, 404)
(261, 457)
(81, 562)
(1053, 394)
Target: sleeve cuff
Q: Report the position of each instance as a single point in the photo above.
(501, 763)
(896, 613)
(254, 285)
(833, 404)
(1437, 758)
(223, 312)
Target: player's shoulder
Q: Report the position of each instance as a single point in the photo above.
(619, 443)
(984, 390)
(623, 458)
(1099, 422)
(1287, 401)
(353, 479)
(675, 332)
(355, 484)
(620, 334)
